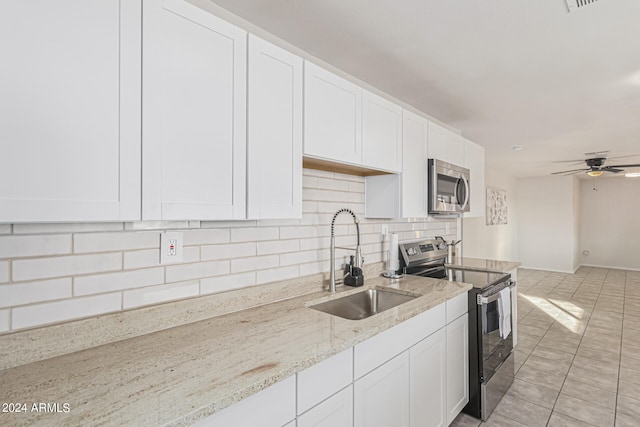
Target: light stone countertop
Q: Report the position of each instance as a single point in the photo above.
(180, 375)
(479, 264)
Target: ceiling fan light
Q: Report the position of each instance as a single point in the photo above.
(595, 173)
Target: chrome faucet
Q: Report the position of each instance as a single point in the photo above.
(358, 258)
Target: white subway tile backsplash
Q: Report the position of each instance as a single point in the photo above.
(332, 184)
(278, 247)
(298, 232)
(151, 257)
(12, 246)
(295, 258)
(254, 234)
(4, 271)
(179, 273)
(52, 312)
(107, 242)
(206, 236)
(39, 268)
(110, 282)
(32, 292)
(318, 242)
(158, 294)
(356, 187)
(227, 282)
(254, 263)
(4, 320)
(314, 268)
(332, 195)
(125, 271)
(229, 251)
(276, 274)
(81, 227)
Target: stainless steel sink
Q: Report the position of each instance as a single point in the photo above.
(363, 304)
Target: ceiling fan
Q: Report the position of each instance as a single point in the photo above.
(596, 167)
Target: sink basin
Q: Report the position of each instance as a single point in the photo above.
(363, 304)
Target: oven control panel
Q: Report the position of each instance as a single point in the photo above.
(417, 252)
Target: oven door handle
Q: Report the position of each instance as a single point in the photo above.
(486, 300)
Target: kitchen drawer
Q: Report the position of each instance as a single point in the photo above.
(324, 379)
(457, 306)
(384, 346)
(272, 407)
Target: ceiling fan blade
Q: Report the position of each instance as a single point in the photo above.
(622, 157)
(612, 169)
(624, 166)
(574, 170)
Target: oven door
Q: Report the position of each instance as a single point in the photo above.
(497, 366)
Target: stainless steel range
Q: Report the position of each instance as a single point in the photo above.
(491, 369)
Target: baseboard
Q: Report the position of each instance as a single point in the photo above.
(549, 269)
(609, 267)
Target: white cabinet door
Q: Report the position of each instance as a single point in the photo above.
(474, 161)
(336, 411)
(194, 114)
(428, 381)
(414, 165)
(381, 133)
(271, 407)
(274, 137)
(70, 110)
(457, 366)
(381, 398)
(332, 116)
(445, 145)
(402, 195)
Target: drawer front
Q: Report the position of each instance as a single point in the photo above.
(457, 306)
(324, 379)
(388, 344)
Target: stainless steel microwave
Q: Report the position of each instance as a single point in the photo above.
(449, 188)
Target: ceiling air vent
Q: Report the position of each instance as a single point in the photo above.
(574, 5)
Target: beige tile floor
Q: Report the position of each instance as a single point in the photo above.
(578, 353)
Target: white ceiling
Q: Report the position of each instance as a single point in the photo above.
(503, 72)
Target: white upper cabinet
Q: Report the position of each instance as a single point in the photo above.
(70, 103)
(403, 195)
(274, 138)
(414, 165)
(381, 133)
(445, 145)
(194, 114)
(332, 116)
(474, 161)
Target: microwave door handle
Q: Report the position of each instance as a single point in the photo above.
(466, 192)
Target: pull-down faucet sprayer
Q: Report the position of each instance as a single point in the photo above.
(358, 258)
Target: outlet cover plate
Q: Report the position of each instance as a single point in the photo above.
(171, 247)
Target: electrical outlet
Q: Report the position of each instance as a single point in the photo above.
(384, 231)
(447, 228)
(170, 247)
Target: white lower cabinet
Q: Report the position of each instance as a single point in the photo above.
(414, 374)
(272, 407)
(457, 366)
(336, 411)
(381, 398)
(427, 383)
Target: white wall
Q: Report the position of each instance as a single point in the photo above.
(610, 219)
(493, 241)
(547, 236)
(51, 273)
